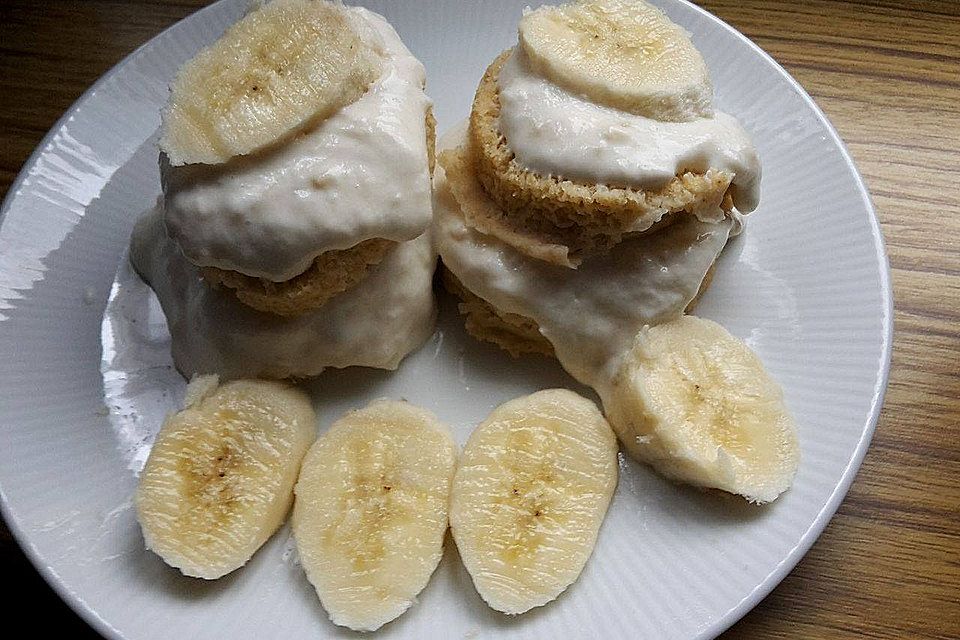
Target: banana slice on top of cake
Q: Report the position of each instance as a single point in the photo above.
(296, 154)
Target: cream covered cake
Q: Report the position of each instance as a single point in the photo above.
(598, 126)
(591, 314)
(586, 200)
(294, 229)
(374, 324)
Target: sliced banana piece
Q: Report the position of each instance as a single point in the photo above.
(531, 491)
(621, 53)
(696, 403)
(282, 65)
(371, 511)
(219, 479)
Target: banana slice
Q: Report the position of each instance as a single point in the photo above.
(696, 403)
(219, 479)
(533, 486)
(282, 65)
(622, 53)
(371, 511)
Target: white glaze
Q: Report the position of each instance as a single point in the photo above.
(592, 314)
(374, 324)
(554, 132)
(360, 174)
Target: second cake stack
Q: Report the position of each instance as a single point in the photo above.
(593, 187)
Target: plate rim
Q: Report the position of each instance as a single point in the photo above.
(91, 617)
(849, 473)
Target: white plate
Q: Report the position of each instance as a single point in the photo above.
(807, 285)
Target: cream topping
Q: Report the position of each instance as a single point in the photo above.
(361, 173)
(387, 315)
(592, 314)
(554, 132)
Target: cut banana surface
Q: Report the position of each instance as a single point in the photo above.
(371, 511)
(219, 479)
(696, 403)
(622, 53)
(530, 494)
(283, 65)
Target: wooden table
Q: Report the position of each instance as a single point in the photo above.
(887, 73)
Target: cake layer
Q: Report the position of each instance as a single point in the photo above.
(513, 333)
(331, 273)
(589, 210)
(553, 132)
(590, 315)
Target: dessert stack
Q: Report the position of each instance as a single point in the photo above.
(580, 212)
(293, 231)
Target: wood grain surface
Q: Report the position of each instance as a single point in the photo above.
(887, 73)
